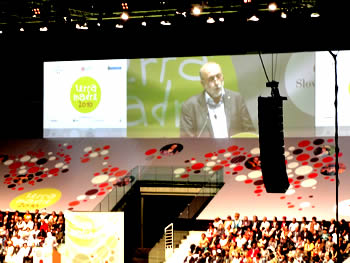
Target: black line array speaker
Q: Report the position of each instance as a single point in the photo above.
(271, 141)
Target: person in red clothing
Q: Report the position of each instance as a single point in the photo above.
(247, 257)
(211, 233)
(44, 225)
(284, 222)
(253, 251)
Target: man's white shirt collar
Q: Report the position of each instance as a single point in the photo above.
(211, 103)
(217, 116)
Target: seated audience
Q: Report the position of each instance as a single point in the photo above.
(275, 242)
(22, 233)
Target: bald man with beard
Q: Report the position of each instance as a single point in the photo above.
(216, 112)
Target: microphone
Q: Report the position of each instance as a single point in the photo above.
(205, 124)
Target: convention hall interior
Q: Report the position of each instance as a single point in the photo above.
(94, 163)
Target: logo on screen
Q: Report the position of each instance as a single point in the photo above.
(85, 94)
(36, 199)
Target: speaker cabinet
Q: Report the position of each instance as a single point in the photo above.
(271, 141)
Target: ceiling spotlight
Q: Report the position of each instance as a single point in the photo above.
(125, 6)
(272, 7)
(36, 11)
(83, 27)
(253, 18)
(165, 23)
(210, 20)
(315, 14)
(118, 26)
(21, 29)
(144, 23)
(221, 19)
(43, 29)
(283, 15)
(124, 16)
(196, 10)
(181, 13)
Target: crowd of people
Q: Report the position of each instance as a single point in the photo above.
(241, 240)
(21, 234)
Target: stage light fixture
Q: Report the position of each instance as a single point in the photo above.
(272, 6)
(165, 23)
(43, 29)
(125, 6)
(283, 15)
(181, 13)
(196, 10)
(210, 20)
(315, 14)
(221, 19)
(119, 26)
(144, 23)
(36, 11)
(124, 16)
(83, 27)
(253, 18)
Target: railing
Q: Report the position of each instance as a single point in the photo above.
(169, 175)
(109, 201)
(169, 240)
(209, 189)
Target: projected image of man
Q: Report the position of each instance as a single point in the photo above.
(216, 112)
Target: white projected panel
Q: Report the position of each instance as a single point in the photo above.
(94, 237)
(325, 93)
(85, 98)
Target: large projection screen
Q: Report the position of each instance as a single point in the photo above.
(85, 98)
(143, 97)
(326, 93)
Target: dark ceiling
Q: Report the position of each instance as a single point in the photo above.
(76, 22)
(105, 14)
